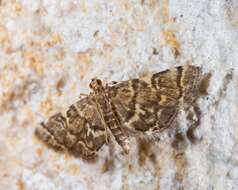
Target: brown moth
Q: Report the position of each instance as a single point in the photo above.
(146, 106)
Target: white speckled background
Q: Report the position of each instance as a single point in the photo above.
(49, 51)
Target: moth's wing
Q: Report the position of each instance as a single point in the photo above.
(85, 122)
(54, 133)
(152, 103)
(81, 132)
(190, 82)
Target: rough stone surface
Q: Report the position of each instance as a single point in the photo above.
(49, 51)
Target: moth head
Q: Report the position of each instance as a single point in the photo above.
(95, 84)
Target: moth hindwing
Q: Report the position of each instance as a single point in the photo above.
(140, 106)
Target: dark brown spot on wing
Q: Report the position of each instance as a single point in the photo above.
(140, 125)
(167, 116)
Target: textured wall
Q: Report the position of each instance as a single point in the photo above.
(49, 51)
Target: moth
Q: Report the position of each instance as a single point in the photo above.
(146, 105)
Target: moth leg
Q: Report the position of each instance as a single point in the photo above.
(83, 95)
(194, 117)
